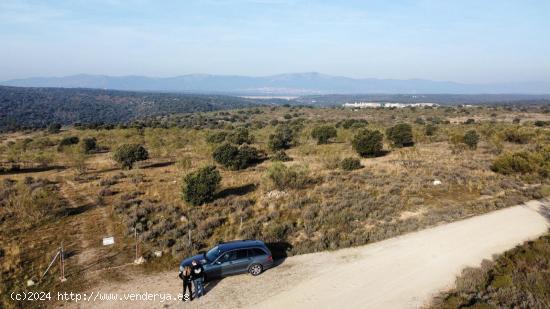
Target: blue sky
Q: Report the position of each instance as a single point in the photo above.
(477, 41)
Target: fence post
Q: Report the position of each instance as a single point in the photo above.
(62, 263)
(137, 243)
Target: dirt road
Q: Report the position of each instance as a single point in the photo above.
(402, 272)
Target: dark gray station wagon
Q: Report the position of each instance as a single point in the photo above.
(234, 257)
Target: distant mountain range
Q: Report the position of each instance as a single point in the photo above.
(284, 84)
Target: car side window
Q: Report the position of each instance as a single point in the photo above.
(242, 254)
(228, 257)
(256, 252)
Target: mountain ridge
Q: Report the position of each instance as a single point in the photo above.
(306, 83)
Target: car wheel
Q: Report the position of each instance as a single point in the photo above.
(255, 269)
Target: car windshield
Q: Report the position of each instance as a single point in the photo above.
(212, 254)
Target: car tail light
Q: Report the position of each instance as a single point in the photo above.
(270, 258)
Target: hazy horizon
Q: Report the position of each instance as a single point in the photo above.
(468, 42)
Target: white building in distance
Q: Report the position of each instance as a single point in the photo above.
(387, 105)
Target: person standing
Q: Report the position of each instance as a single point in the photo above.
(197, 275)
(185, 275)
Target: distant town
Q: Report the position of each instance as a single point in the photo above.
(387, 104)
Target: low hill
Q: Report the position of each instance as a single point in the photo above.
(38, 107)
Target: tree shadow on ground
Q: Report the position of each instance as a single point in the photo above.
(544, 211)
(37, 169)
(381, 153)
(241, 190)
(79, 210)
(159, 164)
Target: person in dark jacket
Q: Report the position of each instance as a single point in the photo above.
(185, 275)
(197, 275)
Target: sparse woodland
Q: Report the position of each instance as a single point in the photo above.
(302, 179)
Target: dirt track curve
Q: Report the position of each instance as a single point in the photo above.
(402, 272)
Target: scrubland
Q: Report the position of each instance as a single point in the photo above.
(298, 200)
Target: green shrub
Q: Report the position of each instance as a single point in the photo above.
(127, 154)
(200, 186)
(419, 120)
(323, 134)
(283, 177)
(430, 129)
(349, 164)
(400, 135)
(54, 128)
(283, 138)
(541, 123)
(353, 123)
(234, 157)
(470, 121)
(240, 136)
(89, 144)
(216, 137)
(518, 135)
(280, 156)
(368, 143)
(67, 141)
(521, 162)
(471, 138)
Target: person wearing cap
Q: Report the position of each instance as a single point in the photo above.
(197, 275)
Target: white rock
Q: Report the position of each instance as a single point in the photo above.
(158, 253)
(275, 194)
(30, 282)
(140, 260)
(437, 182)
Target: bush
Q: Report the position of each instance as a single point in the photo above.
(240, 136)
(419, 120)
(471, 138)
(430, 129)
(283, 138)
(470, 121)
(521, 162)
(349, 164)
(127, 154)
(353, 123)
(216, 137)
(234, 157)
(368, 143)
(401, 135)
(54, 128)
(89, 145)
(542, 123)
(323, 134)
(67, 141)
(200, 186)
(518, 135)
(282, 177)
(280, 156)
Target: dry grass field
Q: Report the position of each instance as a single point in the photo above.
(52, 194)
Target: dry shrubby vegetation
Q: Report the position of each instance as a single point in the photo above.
(518, 278)
(27, 206)
(302, 179)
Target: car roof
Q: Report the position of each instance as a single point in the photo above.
(237, 244)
